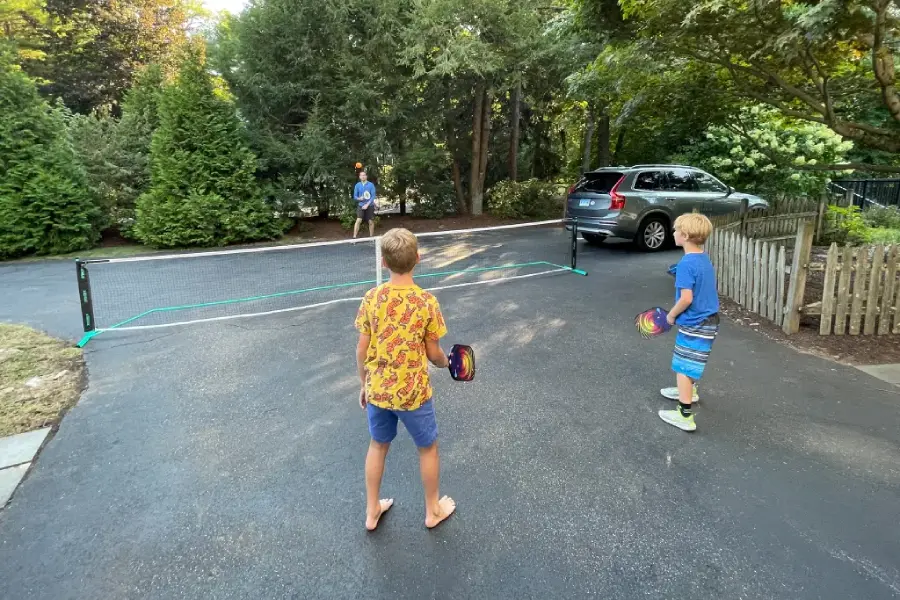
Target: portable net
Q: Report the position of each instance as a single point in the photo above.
(178, 289)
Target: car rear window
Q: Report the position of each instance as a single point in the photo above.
(598, 183)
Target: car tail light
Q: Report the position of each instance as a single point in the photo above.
(617, 201)
(572, 189)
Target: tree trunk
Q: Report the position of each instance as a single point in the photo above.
(588, 138)
(538, 139)
(603, 155)
(620, 139)
(514, 133)
(461, 206)
(477, 116)
(478, 201)
(400, 183)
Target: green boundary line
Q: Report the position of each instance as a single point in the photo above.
(91, 334)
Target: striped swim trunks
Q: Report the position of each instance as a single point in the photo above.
(692, 347)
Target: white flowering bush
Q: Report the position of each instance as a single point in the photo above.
(764, 152)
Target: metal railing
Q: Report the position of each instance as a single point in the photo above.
(868, 192)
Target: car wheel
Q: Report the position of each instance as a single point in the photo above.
(653, 234)
(594, 239)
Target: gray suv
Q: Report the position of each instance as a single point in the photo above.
(640, 203)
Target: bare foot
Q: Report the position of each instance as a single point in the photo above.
(446, 506)
(372, 521)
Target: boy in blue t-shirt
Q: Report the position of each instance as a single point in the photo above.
(696, 313)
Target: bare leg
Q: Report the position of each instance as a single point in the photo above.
(372, 228)
(436, 509)
(375, 507)
(685, 388)
(356, 228)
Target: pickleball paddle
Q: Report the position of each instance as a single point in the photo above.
(652, 322)
(462, 362)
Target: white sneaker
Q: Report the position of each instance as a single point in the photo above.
(674, 417)
(672, 394)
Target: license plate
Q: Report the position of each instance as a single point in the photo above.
(582, 203)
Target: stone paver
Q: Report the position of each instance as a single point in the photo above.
(21, 448)
(9, 480)
(889, 373)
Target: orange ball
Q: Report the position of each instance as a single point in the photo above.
(359, 165)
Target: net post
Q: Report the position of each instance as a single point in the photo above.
(85, 300)
(574, 250)
(379, 270)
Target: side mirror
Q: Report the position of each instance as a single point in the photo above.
(730, 191)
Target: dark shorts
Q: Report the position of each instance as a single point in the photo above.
(420, 423)
(367, 214)
(693, 345)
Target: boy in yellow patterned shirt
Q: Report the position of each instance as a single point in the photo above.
(400, 326)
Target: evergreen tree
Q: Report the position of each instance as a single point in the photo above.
(116, 154)
(45, 206)
(204, 190)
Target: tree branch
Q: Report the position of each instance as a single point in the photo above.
(823, 86)
(883, 62)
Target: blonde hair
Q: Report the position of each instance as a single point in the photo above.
(696, 228)
(400, 250)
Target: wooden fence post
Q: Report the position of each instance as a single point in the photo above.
(799, 272)
(745, 209)
(820, 217)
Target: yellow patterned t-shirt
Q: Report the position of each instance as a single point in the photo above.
(399, 319)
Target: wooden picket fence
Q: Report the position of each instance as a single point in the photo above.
(751, 272)
(778, 223)
(860, 285)
(861, 291)
(749, 252)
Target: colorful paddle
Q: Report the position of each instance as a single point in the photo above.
(652, 322)
(462, 362)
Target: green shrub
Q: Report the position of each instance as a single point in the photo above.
(769, 153)
(204, 190)
(887, 217)
(434, 201)
(524, 199)
(882, 235)
(845, 225)
(45, 205)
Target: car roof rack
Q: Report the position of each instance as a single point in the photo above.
(661, 165)
(607, 168)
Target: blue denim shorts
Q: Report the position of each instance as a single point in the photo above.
(420, 423)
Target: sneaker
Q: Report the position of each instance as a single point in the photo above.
(674, 417)
(672, 394)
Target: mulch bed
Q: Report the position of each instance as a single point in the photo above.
(847, 349)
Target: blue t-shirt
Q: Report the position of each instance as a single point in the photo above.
(695, 272)
(359, 191)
